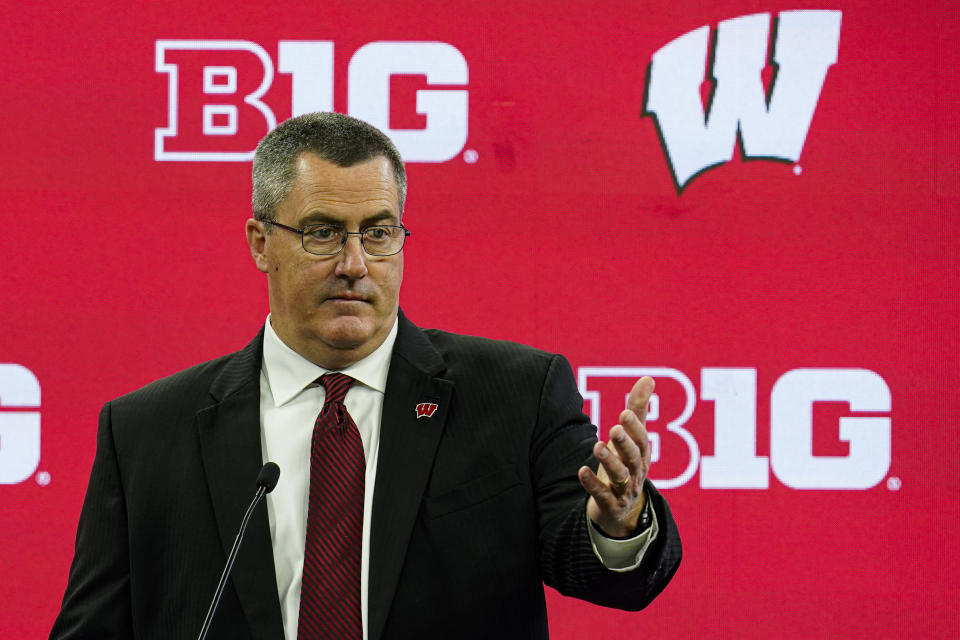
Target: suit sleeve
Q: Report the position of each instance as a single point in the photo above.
(562, 442)
(97, 600)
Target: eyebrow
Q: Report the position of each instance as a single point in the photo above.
(319, 217)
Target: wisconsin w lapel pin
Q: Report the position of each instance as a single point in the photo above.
(426, 409)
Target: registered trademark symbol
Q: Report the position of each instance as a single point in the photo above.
(43, 478)
(797, 169)
(893, 483)
(470, 156)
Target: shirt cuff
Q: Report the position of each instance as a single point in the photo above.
(622, 555)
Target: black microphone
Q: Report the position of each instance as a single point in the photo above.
(266, 481)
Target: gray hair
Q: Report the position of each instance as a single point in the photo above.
(337, 138)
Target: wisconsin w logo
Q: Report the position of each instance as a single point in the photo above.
(771, 124)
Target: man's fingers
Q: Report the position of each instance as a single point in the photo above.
(639, 397)
(631, 424)
(615, 489)
(634, 417)
(613, 467)
(597, 488)
(630, 452)
(616, 470)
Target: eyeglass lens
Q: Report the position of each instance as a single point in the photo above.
(324, 239)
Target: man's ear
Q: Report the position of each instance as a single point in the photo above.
(257, 239)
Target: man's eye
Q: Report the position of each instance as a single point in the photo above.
(377, 233)
(322, 233)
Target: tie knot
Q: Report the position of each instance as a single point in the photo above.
(336, 386)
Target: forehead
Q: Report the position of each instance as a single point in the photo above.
(324, 190)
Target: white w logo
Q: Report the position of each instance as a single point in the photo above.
(773, 126)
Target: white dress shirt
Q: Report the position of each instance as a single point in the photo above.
(290, 401)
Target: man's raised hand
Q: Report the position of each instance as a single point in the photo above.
(616, 491)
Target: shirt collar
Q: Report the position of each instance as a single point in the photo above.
(288, 373)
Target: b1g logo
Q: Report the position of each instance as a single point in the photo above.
(19, 423)
(794, 400)
(216, 111)
(770, 124)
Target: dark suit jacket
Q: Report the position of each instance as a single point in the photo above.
(473, 507)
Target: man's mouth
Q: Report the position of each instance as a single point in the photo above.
(347, 297)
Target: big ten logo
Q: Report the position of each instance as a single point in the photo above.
(828, 428)
(19, 423)
(216, 109)
(765, 95)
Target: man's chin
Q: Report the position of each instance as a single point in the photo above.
(346, 333)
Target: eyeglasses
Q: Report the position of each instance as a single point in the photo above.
(329, 239)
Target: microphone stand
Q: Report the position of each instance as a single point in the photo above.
(263, 487)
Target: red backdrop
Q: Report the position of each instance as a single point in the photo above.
(798, 307)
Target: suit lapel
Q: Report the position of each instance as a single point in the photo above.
(407, 449)
(229, 432)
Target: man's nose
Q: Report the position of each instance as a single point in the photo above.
(353, 259)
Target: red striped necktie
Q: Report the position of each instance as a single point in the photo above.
(330, 596)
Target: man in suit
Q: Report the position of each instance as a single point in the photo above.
(463, 470)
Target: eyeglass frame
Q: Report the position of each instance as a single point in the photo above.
(346, 236)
